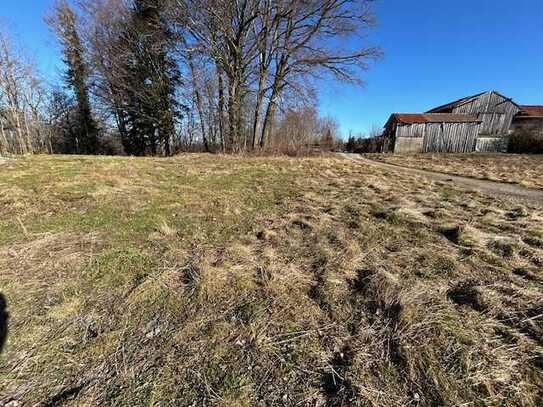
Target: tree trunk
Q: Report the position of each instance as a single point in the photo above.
(4, 146)
(221, 109)
(199, 105)
(270, 112)
(258, 107)
(28, 139)
(20, 140)
(232, 116)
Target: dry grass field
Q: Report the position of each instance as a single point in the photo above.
(204, 280)
(525, 170)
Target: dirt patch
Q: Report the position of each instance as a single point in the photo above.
(496, 189)
(509, 168)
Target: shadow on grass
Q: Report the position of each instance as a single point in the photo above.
(4, 317)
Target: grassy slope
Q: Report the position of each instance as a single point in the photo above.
(263, 281)
(525, 170)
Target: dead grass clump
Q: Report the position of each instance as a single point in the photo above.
(534, 242)
(517, 213)
(390, 214)
(57, 250)
(428, 330)
(467, 292)
(473, 237)
(503, 247)
(527, 274)
(166, 230)
(451, 231)
(413, 216)
(302, 224)
(266, 235)
(444, 265)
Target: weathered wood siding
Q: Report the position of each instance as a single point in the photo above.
(451, 137)
(495, 111)
(409, 144)
(411, 130)
(440, 137)
(389, 138)
(491, 144)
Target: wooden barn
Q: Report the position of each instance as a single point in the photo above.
(478, 123)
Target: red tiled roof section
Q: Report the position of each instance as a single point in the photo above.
(412, 118)
(531, 110)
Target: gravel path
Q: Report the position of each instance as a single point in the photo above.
(492, 188)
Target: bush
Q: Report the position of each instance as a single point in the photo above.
(363, 145)
(526, 142)
(110, 144)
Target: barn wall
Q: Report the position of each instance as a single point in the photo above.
(492, 144)
(451, 137)
(389, 138)
(498, 123)
(495, 111)
(436, 137)
(388, 144)
(411, 130)
(489, 102)
(408, 144)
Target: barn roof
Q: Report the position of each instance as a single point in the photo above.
(412, 118)
(531, 110)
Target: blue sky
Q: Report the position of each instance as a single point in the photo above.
(434, 51)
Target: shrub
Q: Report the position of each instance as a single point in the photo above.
(526, 142)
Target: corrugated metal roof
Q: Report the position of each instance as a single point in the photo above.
(411, 118)
(531, 110)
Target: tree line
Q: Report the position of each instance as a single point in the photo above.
(161, 76)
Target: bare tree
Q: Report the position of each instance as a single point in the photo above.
(22, 98)
(269, 47)
(224, 32)
(307, 46)
(197, 88)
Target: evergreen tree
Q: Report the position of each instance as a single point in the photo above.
(350, 146)
(151, 80)
(85, 134)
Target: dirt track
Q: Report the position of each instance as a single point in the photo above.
(492, 188)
